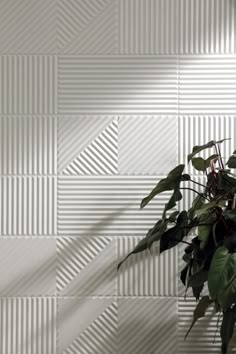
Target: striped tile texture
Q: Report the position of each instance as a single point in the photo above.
(99, 100)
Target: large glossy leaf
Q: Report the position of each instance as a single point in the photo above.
(171, 182)
(176, 196)
(227, 328)
(207, 206)
(197, 203)
(230, 214)
(203, 234)
(201, 164)
(200, 311)
(221, 277)
(231, 161)
(199, 148)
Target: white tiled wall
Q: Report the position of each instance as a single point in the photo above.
(99, 99)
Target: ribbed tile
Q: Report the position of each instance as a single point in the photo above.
(27, 266)
(148, 27)
(86, 266)
(28, 145)
(207, 85)
(203, 337)
(28, 84)
(87, 325)
(28, 26)
(117, 85)
(198, 130)
(28, 326)
(87, 27)
(107, 205)
(28, 205)
(147, 273)
(147, 325)
(147, 145)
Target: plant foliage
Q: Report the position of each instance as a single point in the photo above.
(210, 255)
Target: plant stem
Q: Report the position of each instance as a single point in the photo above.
(202, 185)
(191, 189)
(223, 167)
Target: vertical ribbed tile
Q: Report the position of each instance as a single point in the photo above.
(28, 26)
(27, 266)
(147, 145)
(28, 326)
(147, 325)
(147, 273)
(207, 85)
(28, 205)
(198, 130)
(117, 85)
(87, 325)
(28, 145)
(28, 84)
(107, 205)
(148, 27)
(86, 266)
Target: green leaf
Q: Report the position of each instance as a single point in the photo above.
(197, 203)
(172, 217)
(230, 214)
(203, 234)
(200, 164)
(198, 279)
(171, 182)
(199, 148)
(212, 204)
(200, 311)
(227, 328)
(176, 196)
(221, 277)
(231, 161)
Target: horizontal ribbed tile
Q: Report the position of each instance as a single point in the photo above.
(117, 85)
(198, 130)
(28, 26)
(86, 266)
(207, 85)
(28, 205)
(87, 27)
(147, 325)
(87, 325)
(28, 84)
(107, 205)
(28, 145)
(27, 266)
(147, 145)
(28, 326)
(147, 273)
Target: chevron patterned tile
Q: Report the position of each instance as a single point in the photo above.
(207, 85)
(86, 266)
(198, 130)
(28, 145)
(28, 26)
(147, 273)
(117, 85)
(147, 145)
(100, 157)
(27, 266)
(107, 205)
(87, 27)
(147, 325)
(87, 325)
(28, 205)
(28, 325)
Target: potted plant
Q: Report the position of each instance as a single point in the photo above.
(210, 255)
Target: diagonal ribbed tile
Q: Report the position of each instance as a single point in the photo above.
(75, 133)
(107, 205)
(98, 36)
(117, 85)
(198, 130)
(86, 266)
(28, 84)
(147, 325)
(28, 325)
(28, 26)
(74, 17)
(100, 157)
(28, 145)
(207, 85)
(28, 205)
(27, 266)
(147, 145)
(146, 273)
(87, 325)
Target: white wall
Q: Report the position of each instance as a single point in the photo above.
(99, 99)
